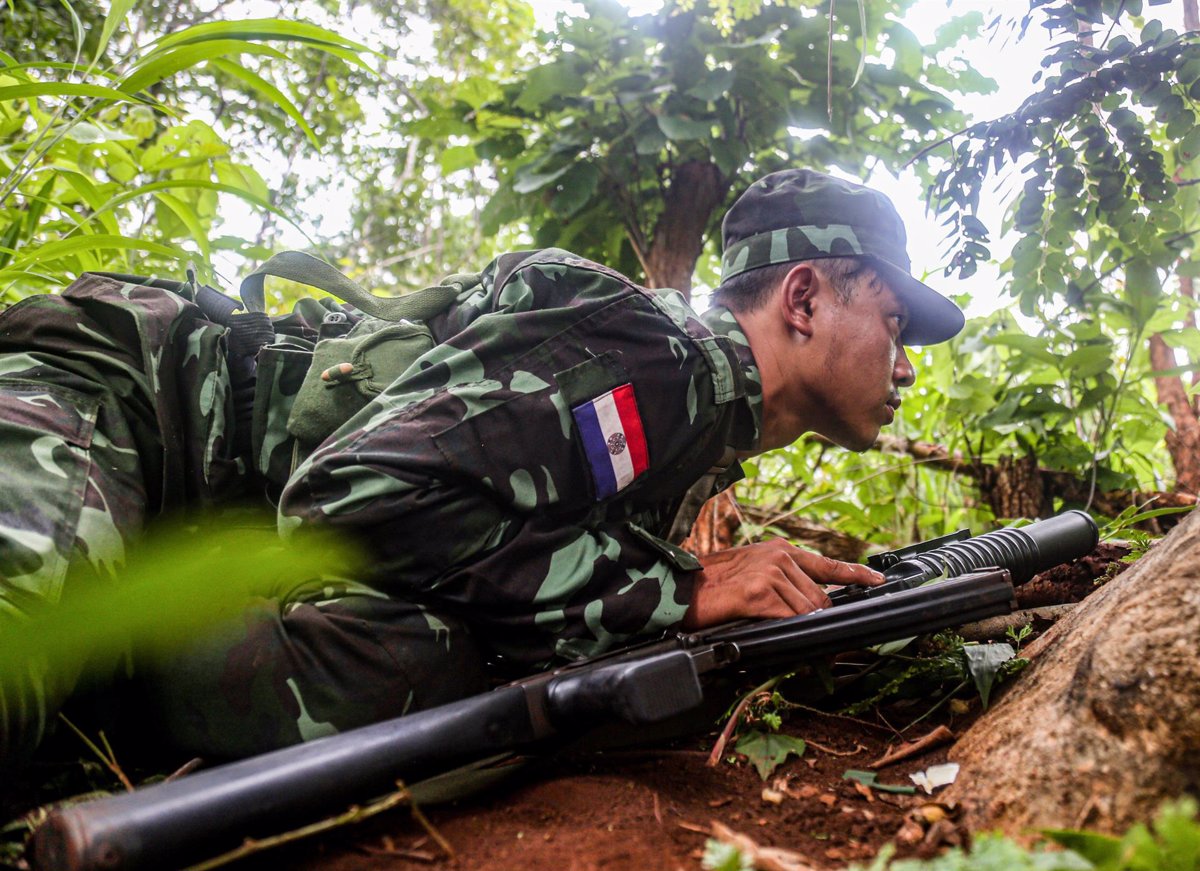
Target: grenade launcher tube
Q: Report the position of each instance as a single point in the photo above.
(210, 812)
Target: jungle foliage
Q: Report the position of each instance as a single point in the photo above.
(461, 128)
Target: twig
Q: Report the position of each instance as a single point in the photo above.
(941, 702)
(108, 758)
(858, 748)
(433, 832)
(354, 814)
(185, 769)
(799, 707)
(940, 735)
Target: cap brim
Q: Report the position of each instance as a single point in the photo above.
(931, 317)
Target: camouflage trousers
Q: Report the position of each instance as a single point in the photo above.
(71, 498)
(286, 672)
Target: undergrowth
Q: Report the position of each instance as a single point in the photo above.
(1170, 843)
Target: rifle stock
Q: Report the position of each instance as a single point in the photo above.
(210, 812)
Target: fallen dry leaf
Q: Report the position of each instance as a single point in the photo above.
(863, 790)
(762, 858)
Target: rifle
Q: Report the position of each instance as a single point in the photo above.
(204, 814)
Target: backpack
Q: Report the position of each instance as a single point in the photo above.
(318, 366)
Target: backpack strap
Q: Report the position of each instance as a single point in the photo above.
(313, 272)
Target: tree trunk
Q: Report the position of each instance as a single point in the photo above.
(1183, 441)
(696, 190)
(1071, 489)
(1105, 724)
(716, 526)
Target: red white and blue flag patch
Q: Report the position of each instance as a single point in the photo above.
(613, 439)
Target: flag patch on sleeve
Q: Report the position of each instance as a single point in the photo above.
(613, 439)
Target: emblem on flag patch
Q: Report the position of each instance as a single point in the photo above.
(613, 439)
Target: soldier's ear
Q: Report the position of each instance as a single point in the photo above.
(796, 295)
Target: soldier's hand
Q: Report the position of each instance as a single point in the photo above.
(770, 579)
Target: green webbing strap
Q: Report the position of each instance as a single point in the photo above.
(313, 272)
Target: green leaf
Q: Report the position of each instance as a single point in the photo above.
(457, 157)
(188, 217)
(544, 83)
(1189, 146)
(260, 29)
(116, 15)
(678, 128)
(650, 140)
(720, 856)
(78, 244)
(1096, 848)
(712, 86)
(183, 183)
(477, 91)
(575, 189)
(162, 64)
(257, 83)
(528, 182)
(767, 750)
(983, 664)
(179, 581)
(66, 89)
(870, 778)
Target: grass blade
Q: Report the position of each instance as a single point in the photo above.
(270, 92)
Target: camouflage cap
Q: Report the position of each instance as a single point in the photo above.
(799, 214)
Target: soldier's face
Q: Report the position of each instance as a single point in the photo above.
(862, 364)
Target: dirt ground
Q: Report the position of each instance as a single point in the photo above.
(655, 807)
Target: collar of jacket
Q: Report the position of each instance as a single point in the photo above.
(748, 424)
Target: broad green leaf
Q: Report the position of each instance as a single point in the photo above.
(983, 664)
(257, 83)
(477, 91)
(678, 128)
(712, 86)
(767, 750)
(457, 157)
(527, 183)
(575, 189)
(544, 83)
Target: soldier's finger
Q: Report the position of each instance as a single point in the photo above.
(798, 584)
(831, 571)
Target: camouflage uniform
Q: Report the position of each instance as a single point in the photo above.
(468, 483)
(114, 408)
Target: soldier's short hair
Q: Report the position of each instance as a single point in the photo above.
(747, 291)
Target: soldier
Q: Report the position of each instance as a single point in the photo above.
(523, 494)
(523, 489)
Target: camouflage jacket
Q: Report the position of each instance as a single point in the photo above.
(528, 472)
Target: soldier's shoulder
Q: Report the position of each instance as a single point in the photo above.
(552, 261)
